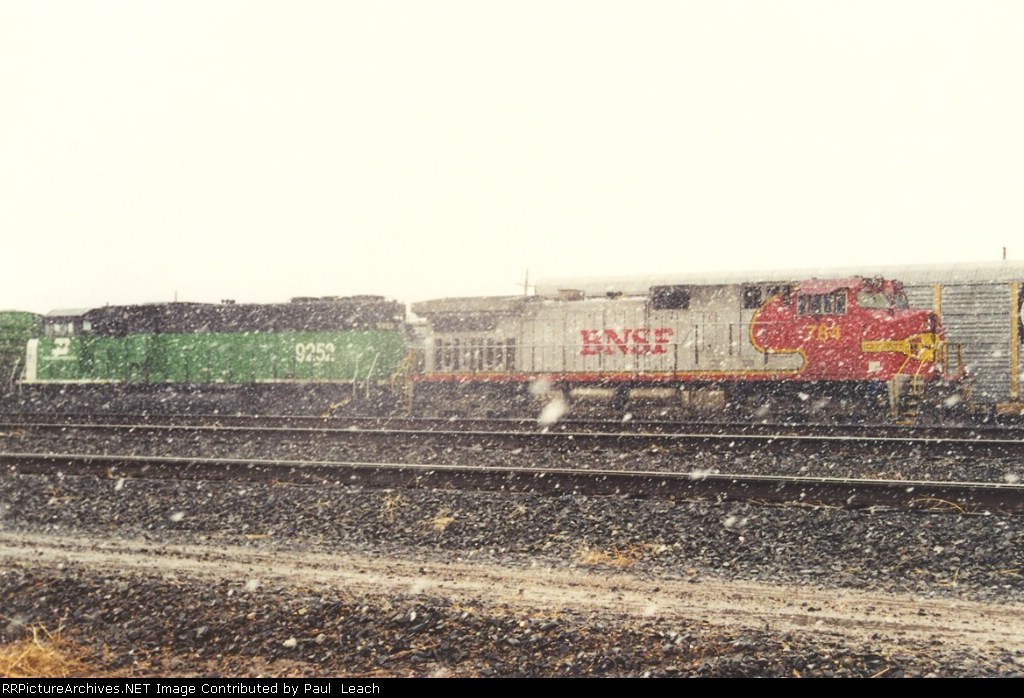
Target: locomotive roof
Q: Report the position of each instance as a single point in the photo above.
(67, 312)
(297, 316)
(963, 273)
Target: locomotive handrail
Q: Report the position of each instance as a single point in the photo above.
(369, 373)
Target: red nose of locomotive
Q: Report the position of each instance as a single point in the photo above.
(853, 329)
(902, 342)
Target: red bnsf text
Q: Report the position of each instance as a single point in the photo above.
(637, 341)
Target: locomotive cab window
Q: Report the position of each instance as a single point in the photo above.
(59, 329)
(880, 300)
(833, 303)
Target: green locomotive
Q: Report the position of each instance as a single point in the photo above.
(324, 351)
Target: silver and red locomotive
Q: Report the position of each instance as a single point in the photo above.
(686, 346)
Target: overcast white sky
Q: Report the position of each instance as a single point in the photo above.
(258, 149)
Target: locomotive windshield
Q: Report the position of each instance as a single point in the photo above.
(881, 300)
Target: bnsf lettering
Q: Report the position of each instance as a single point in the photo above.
(636, 341)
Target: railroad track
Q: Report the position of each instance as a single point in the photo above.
(968, 432)
(953, 497)
(927, 447)
(598, 431)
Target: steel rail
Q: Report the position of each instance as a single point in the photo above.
(930, 445)
(971, 431)
(949, 497)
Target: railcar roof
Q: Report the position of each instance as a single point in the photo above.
(970, 273)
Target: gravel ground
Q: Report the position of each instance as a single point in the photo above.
(160, 626)
(936, 553)
(151, 627)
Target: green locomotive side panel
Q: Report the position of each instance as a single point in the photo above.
(338, 356)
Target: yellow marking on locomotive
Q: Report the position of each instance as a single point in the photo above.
(774, 351)
(825, 332)
(921, 347)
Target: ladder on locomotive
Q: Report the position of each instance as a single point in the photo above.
(908, 405)
(910, 402)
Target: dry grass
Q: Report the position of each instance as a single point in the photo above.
(45, 655)
(519, 511)
(333, 407)
(936, 504)
(442, 521)
(392, 503)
